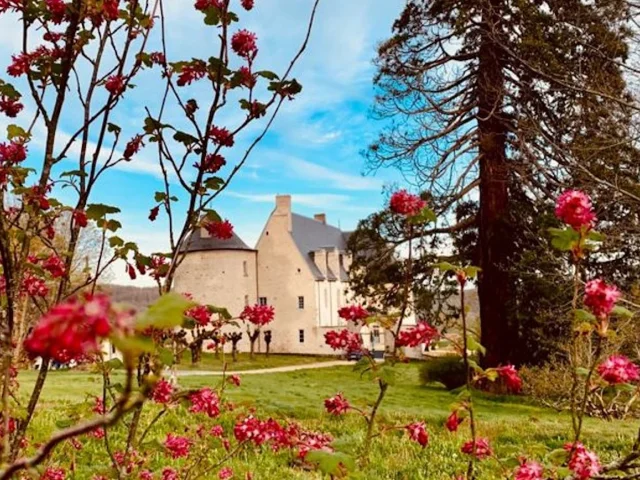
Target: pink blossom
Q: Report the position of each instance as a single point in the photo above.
(212, 163)
(353, 313)
(57, 9)
(222, 230)
(600, 297)
(115, 84)
(191, 72)
(216, 431)
(422, 333)
(98, 406)
(618, 369)
(583, 463)
(529, 471)
(247, 4)
(169, 473)
(12, 153)
(481, 449)
(221, 136)
(10, 107)
(162, 392)
(510, 377)
(453, 421)
(235, 379)
(145, 475)
(53, 473)
(336, 405)
(199, 313)
(405, 203)
(343, 340)
(225, 473)
(418, 433)
(259, 315)
(177, 446)
(55, 266)
(574, 208)
(205, 401)
(243, 42)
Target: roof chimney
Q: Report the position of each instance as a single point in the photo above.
(321, 217)
(283, 203)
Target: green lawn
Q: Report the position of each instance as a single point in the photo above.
(512, 425)
(210, 362)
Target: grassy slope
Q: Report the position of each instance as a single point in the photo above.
(510, 423)
(210, 362)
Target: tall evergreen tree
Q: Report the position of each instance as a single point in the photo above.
(501, 99)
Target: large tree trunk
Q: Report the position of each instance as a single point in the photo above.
(495, 239)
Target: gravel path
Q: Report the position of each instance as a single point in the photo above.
(261, 371)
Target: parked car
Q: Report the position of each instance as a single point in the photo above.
(354, 356)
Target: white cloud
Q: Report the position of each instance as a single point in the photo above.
(327, 176)
(314, 200)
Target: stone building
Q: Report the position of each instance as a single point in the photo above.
(299, 266)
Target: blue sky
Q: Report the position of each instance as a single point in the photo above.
(313, 149)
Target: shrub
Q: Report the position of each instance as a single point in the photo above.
(448, 370)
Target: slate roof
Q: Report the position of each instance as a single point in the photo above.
(310, 235)
(198, 243)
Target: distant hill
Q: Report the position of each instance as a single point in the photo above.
(138, 298)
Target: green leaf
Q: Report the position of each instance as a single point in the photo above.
(96, 211)
(114, 364)
(596, 236)
(73, 173)
(471, 271)
(211, 16)
(133, 346)
(213, 183)
(212, 216)
(166, 312)
(268, 75)
(584, 315)
(115, 242)
(160, 197)
(113, 128)
(185, 138)
(474, 345)
(166, 356)
(14, 131)
(557, 456)
(445, 267)
(388, 375)
(111, 225)
(362, 365)
(331, 463)
(223, 312)
(564, 239)
(474, 365)
(622, 312)
(66, 423)
(582, 372)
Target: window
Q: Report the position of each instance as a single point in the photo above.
(376, 333)
(245, 269)
(263, 300)
(113, 349)
(246, 300)
(301, 303)
(301, 336)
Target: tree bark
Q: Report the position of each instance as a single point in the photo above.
(495, 239)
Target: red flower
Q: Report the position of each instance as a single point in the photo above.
(221, 230)
(71, 330)
(115, 84)
(98, 433)
(54, 265)
(235, 379)
(202, 5)
(258, 314)
(193, 71)
(453, 421)
(34, 286)
(583, 463)
(336, 405)
(133, 147)
(98, 407)
(247, 4)
(158, 58)
(169, 473)
(618, 369)
(247, 79)
(256, 431)
(177, 446)
(221, 136)
(145, 475)
(353, 313)
(574, 208)
(481, 449)
(110, 8)
(509, 375)
(343, 340)
(19, 64)
(200, 314)
(10, 107)
(600, 297)
(243, 43)
(57, 9)
(131, 271)
(418, 433)
(53, 473)
(529, 471)
(225, 473)
(159, 267)
(153, 213)
(12, 153)
(405, 203)
(205, 401)
(422, 333)
(216, 431)
(162, 392)
(80, 218)
(212, 163)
